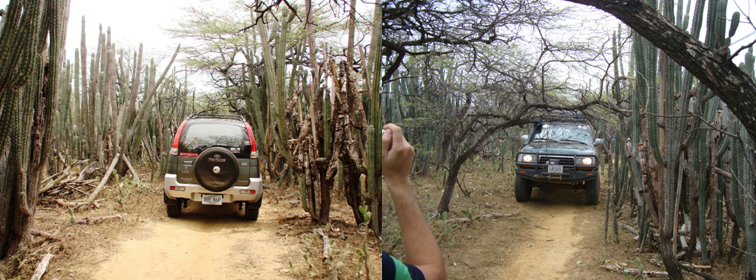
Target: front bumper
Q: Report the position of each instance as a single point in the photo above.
(568, 176)
(538, 171)
(193, 192)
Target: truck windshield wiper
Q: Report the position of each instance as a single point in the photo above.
(544, 139)
(570, 140)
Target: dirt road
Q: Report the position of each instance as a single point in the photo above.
(558, 219)
(204, 243)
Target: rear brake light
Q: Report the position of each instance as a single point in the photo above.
(253, 153)
(174, 147)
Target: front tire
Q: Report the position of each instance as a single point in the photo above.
(523, 189)
(592, 191)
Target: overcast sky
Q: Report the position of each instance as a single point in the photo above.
(144, 21)
(137, 21)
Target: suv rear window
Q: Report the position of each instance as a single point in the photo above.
(199, 136)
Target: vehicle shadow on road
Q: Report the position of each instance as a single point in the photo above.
(558, 196)
(211, 218)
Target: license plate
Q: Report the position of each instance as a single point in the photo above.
(555, 169)
(212, 199)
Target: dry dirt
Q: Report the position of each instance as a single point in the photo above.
(205, 242)
(555, 236)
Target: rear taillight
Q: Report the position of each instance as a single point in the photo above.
(253, 151)
(174, 148)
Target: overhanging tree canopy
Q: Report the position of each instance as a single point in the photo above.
(711, 66)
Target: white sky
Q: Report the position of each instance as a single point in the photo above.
(140, 21)
(144, 21)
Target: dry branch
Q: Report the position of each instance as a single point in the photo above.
(634, 271)
(76, 205)
(486, 216)
(105, 178)
(95, 220)
(131, 168)
(628, 228)
(42, 267)
(541, 227)
(326, 244)
(44, 234)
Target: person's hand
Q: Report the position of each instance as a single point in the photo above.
(397, 155)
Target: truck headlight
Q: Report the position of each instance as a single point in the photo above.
(586, 161)
(526, 158)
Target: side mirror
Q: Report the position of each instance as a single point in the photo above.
(599, 142)
(525, 138)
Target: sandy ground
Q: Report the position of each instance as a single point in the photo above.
(555, 217)
(206, 242)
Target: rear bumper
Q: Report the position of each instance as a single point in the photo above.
(193, 192)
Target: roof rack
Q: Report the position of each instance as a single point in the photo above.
(561, 116)
(215, 116)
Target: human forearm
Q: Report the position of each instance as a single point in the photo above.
(419, 243)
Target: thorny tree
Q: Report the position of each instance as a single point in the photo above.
(468, 97)
(305, 101)
(714, 68)
(436, 27)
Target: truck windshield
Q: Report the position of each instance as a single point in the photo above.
(562, 132)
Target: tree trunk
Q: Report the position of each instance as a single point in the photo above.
(451, 180)
(713, 68)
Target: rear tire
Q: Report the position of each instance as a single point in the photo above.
(172, 206)
(592, 191)
(523, 189)
(252, 210)
(173, 210)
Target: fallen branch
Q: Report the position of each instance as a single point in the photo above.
(77, 205)
(628, 228)
(44, 234)
(105, 178)
(541, 227)
(42, 267)
(486, 216)
(634, 271)
(131, 168)
(696, 266)
(95, 220)
(326, 244)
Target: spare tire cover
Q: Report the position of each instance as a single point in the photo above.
(217, 169)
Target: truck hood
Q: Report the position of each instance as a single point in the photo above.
(559, 148)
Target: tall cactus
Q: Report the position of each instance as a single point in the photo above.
(28, 80)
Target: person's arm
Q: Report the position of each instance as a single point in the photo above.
(419, 243)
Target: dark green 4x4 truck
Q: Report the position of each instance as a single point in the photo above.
(559, 152)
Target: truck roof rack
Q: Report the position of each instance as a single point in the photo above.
(215, 116)
(561, 116)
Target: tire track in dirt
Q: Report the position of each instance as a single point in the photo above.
(546, 254)
(204, 243)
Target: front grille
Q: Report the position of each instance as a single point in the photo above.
(561, 161)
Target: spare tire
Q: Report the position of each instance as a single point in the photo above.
(217, 169)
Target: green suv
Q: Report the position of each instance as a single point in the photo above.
(213, 161)
(558, 152)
